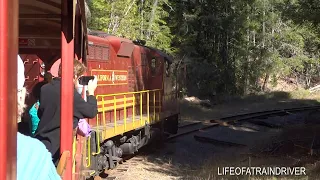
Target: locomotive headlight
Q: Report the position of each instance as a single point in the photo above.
(42, 65)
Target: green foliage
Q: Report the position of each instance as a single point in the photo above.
(229, 46)
(302, 10)
(133, 19)
(234, 45)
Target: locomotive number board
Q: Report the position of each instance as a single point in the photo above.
(110, 77)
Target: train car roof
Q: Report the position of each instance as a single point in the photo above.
(122, 46)
(40, 21)
(108, 36)
(117, 42)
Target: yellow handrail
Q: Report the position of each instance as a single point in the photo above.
(74, 149)
(125, 113)
(126, 93)
(115, 113)
(103, 117)
(129, 101)
(88, 155)
(148, 107)
(133, 113)
(125, 106)
(141, 109)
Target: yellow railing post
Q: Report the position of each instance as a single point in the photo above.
(103, 113)
(134, 104)
(125, 112)
(140, 108)
(88, 164)
(115, 112)
(148, 107)
(97, 117)
(154, 105)
(74, 149)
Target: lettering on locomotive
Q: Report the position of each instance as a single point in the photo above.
(110, 77)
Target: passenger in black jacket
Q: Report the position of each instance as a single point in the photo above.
(49, 111)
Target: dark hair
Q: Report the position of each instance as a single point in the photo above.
(36, 90)
(47, 77)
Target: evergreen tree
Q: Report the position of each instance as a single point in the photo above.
(133, 19)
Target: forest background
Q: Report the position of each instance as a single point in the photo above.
(230, 47)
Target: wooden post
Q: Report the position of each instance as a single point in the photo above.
(67, 88)
(8, 89)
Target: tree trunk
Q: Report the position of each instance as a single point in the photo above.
(266, 78)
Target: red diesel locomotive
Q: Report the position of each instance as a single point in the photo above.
(136, 98)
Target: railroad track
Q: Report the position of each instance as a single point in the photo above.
(202, 125)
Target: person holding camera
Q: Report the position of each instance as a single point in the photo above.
(49, 111)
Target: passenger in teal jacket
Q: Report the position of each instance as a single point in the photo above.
(33, 113)
(34, 161)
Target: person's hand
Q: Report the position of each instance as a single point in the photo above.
(92, 85)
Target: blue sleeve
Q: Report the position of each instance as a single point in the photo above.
(34, 161)
(33, 113)
(52, 171)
